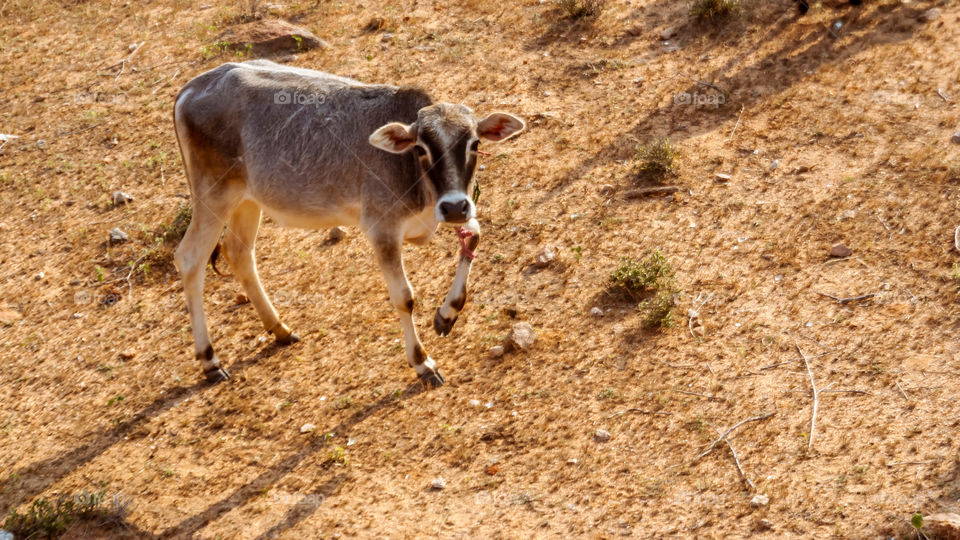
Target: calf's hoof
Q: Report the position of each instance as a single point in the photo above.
(443, 325)
(217, 374)
(289, 339)
(432, 379)
(284, 335)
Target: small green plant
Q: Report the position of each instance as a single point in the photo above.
(174, 232)
(956, 272)
(653, 273)
(659, 310)
(713, 9)
(607, 393)
(50, 518)
(578, 253)
(581, 9)
(338, 454)
(656, 161)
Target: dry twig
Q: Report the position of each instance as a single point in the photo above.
(956, 238)
(735, 126)
(656, 190)
(901, 390)
(655, 413)
(849, 299)
(729, 431)
(816, 397)
(736, 460)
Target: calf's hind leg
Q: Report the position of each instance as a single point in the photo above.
(238, 243)
(191, 258)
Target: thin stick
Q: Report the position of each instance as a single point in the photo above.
(708, 396)
(880, 219)
(941, 94)
(735, 126)
(956, 238)
(704, 83)
(849, 299)
(123, 63)
(643, 192)
(655, 413)
(736, 460)
(729, 431)
(816, 398)
(901, 390)
(846, 392)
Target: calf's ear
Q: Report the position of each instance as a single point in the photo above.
(499, 126)
(394, 137)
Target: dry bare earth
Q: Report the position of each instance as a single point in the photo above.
(858, 110)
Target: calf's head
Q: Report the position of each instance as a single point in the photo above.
(445, 140)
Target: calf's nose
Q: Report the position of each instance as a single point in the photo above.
(454, 210)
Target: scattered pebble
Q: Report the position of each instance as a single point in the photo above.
(307, 428)
(601, 436)
(496, 351)
(545, 257)
(765, 525)
(474, 402)
(775, 164)
(128, 354)
(956, 138)
(573, 461)
(241, 299)
(668, 32)
(117, 236)
(521, 336)
(120, 198)
(596, 312)
(759, 500)
(607, 190)
(840, 251)
(336, 235)
(38, 276)
(931, 14)
(438, 483)
(723, 177)
(493, 469)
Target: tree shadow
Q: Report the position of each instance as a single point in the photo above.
(37, 477)
(189, 527)
(737, 80)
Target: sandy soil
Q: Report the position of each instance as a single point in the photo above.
(862, 140)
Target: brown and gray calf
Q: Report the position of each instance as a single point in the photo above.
(315, 150)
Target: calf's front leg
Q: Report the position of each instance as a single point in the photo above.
(387, 250)
(469, 236)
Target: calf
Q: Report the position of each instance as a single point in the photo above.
(315, 150)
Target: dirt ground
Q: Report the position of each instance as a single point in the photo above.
(859, 119)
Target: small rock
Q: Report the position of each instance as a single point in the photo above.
(375, 24)
(386, 37)
(545, 257)
(6, 535)
(840, 251)
(931, 14)
(242, 299)
(474, 402)
(573, 461)
(307, 428)
(765, 525)
(956, 138)
(128, 354)
(38, 276)
(117, 236)
(492, 469)
(606, 190)
(801, 169)
(668, 33)
(775, 164)
(336, 235)
(496, 351)
(723, 177)
(946, 526)
(121, 198)
(270, 36)
(759, 500)
(601, 436)
(521, 336)
(596, 312)
(438, 483)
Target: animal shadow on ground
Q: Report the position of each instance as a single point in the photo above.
(776, 71)
(37, 477)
